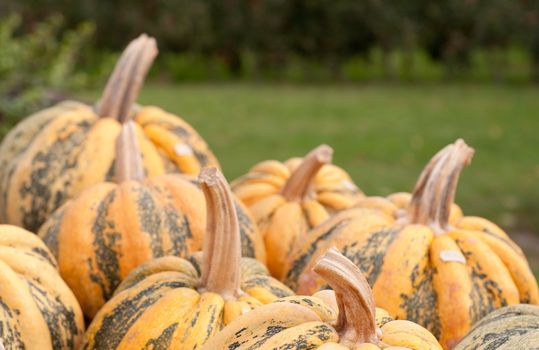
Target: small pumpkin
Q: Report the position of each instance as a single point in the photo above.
(309, 323)
(111, 228)
(287, 199)
(426, 261)
(173, 303)
(514, 327)
(37, 309)
(55, 154)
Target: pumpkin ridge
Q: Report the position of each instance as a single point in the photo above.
(118, 321)
(57, 315)
(49, 174)
(106, 260)
(299, 264)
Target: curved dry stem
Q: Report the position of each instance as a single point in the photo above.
(356, 322)
(434, 192)
(126, 80)
(222, 247)
(128, 163)
(297, 186)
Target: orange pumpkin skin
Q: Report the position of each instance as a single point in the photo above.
(100, 236)
(287, 199)
(444, 277)
(53, 155)
(346, 319)
(174, 303)
(37, 309)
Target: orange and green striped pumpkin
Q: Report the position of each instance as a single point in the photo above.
(55, 154)
(175, 303)
(426, 261)
(37, 309)
(287, 199)
(346, 319)
(111, 228)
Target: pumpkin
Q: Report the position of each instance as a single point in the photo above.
(37, 309)
(53, 155)
(173, 303)
(514, 327)
(287, 199)
(309, 323)
(111, 228)
(426, 261)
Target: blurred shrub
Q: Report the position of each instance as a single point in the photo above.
(314, 39)
(37, 68)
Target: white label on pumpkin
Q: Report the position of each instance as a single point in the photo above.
(452, 256)
(181, 149)
(349, 185)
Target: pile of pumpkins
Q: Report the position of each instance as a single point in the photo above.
(142, 244)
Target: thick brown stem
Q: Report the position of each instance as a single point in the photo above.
(222, 247)
(356, 322)
(127, 79)
(128, 163)
(434, 192)
(297, 186)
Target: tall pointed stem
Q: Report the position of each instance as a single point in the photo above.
(297, 186)
(222, 247)
(356, 322)
(435, 190)
(128, 163)
(127, 79)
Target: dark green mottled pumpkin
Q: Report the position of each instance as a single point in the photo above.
(514, 327)
(37, 309)
(55, 154)
(175, 303)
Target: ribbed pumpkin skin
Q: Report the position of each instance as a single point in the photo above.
(99, 237)
(282, 221)
(281, 328)
(514, 327)
(37, 309)
(53, 155)
(343, 319)
(403, 265)
(425, 261)
(158, 306)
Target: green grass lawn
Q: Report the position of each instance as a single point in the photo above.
(382, 134)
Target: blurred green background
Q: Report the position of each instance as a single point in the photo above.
(385, 84)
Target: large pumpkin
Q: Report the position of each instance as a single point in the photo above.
(514, 327)
(37, 309)
(54, 154)
(442, 270)
(172, 303)
(111, 228)
(287, 199)
(312, 323)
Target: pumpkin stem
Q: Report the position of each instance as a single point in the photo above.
(356, 322)
(434, 192)
(222, 246)
(296, 187)
(127, 78)
(128, 163)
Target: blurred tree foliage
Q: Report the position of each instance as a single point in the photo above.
(262, 36)
(36, 69)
